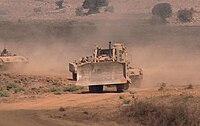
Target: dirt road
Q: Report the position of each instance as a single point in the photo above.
(65, 100)
(30, 111)
(77, 109)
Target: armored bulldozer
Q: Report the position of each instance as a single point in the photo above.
(10, 61)
(107, 67)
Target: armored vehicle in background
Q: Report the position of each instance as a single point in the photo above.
(10, 61)
(105, 68)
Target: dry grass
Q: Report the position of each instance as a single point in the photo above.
(165, 111)
(71, 88)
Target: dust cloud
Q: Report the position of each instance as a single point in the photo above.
(48, 57)
(166, 53)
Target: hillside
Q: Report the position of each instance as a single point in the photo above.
(46, 9)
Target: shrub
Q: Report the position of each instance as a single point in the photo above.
(88, 4)
(94, 5)
(4, 93)
(54, 89)
(185, 15)
(102, 3)
(162, 10)
(61, 109)
(71, 88)
(14, 87)
(18, 89)
(11, 86)
(59, 3)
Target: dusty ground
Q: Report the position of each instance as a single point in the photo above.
(39, 106)
(52, 38)
(78, 108)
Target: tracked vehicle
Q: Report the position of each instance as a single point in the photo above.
(107, 67)
(10, 61)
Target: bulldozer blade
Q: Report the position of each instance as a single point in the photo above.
(101, 73)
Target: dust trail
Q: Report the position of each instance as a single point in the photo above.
(166, 53)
